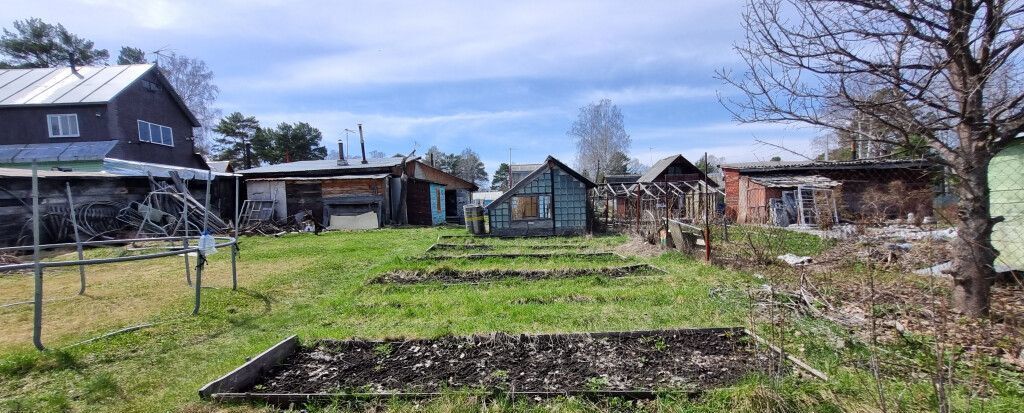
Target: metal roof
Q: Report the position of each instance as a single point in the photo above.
(81, 85)
(809, 164)
(792, 181)
(621, 179)
(662, 164)
(62, 85)
(524, 167)
(319, 178)
(324, 165)
(51, 152)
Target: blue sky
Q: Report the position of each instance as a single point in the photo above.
(485, 75)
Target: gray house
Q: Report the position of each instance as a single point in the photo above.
(551, 200)
(128, 113)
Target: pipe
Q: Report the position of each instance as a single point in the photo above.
(200, 254)
(78, 240)
(362, 143)
(184, 240)
(234, 248)
(37, 310)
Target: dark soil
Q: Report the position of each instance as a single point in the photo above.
(455, 276)
(687, 360)
(519, 255)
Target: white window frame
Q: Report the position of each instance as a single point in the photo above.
(149, 128)
(62, 133)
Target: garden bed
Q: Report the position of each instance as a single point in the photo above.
(637, 364)
(449, 275)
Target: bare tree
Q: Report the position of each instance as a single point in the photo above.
(193, 81)
(600, 137)
(951, 77)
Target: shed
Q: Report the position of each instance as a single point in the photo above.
(1006, 199)
(551, 200)
(862, 181)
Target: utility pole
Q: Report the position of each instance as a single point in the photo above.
(510, 183)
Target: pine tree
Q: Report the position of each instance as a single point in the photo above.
(234, 144)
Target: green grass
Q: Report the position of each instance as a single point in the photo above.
(317, 287)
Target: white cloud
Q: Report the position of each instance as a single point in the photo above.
(647, 94)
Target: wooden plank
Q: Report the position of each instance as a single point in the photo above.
(244, 377)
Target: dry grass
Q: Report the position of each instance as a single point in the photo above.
(117, 295)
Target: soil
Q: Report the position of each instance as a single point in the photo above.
(455, 276)
(484, 256)
(688, 360)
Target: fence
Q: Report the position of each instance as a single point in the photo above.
(179, 245)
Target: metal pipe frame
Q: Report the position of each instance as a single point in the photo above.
(38, 264)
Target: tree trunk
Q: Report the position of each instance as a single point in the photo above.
(973, 254)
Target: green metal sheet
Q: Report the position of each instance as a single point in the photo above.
(1006, 185)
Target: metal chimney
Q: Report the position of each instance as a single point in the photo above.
(362, 143)
(341, 153)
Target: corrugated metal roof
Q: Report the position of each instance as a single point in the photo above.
(58, 86)
(320, 178)
(324, 165)
(46, 173)
(621, 179)
(50, 152)
(782, 165)
(792, 181)
(526, 167)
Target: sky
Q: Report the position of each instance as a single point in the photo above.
(493, 76)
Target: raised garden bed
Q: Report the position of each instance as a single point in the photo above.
(626, 364)
(484, 256)
(457, 276)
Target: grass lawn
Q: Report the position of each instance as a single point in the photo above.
(317, 287)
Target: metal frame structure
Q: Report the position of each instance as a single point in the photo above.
(649, 204)
(38, 264)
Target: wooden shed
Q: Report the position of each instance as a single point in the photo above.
(551, 200)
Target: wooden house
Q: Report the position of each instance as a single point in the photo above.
(358, 194)
(551, 200)
(129, 112)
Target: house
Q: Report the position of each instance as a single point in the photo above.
(358, 194)
(821, 192)
(552, 199)
(128, 113)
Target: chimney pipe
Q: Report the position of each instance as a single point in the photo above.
(362, 143)
(341, 153)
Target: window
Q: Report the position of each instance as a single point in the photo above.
(153, 133)
(439, 196)
(62, 126)
(530, 207)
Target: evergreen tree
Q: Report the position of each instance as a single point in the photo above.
(35, 43)
(234, 143)
(289, 143)
(500, 181)
(131, 56)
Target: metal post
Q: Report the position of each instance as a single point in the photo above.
(234, 247)
(78, 240)
(37, 311)
(201, 255)
(184, 240)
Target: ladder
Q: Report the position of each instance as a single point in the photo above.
(255, 211)
(807, 210)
